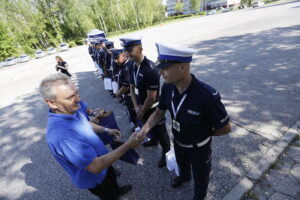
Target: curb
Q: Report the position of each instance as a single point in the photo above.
(267, 160)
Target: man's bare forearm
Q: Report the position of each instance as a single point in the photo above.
(147, 104)
(133, 97)
(102, 162)
(153, 120)
(123, 90)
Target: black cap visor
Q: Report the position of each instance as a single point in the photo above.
(129, 47)
(162, 64)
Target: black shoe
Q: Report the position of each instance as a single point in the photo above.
(176, 182)
(150, 143)
(133, 129)
(121, 101)
(199, 198)
(113, 96)
(124, 189)
(117, 172)
(162, 162)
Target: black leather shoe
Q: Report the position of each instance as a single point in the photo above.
(162, 162)
(117, 172)
(176, 182)
(199, 198)
(150, 143)
(124, 189)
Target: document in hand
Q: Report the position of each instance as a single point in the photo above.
(108, 121)
(107, 84)
(171, 161)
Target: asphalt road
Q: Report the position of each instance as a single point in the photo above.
(251, 57)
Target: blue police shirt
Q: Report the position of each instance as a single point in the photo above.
(146, 78)
(75, 145)
(200, 113)
(108, 59)
(101, 57)
(124, 77)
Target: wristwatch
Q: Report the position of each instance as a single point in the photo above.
(106, 130)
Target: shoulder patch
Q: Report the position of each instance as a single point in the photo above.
(211, 90)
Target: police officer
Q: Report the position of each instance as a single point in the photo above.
(197, 114)
(144, 91)
(92, 52)
(100, 54)
(108, 59)
(124, 65)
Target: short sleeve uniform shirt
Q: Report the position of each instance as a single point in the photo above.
(200, 113)
(146, 77)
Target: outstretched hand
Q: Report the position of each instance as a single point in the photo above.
(115, 133)
(134, 141)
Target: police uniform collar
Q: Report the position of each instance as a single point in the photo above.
(142, 63)
(187, 90)
(62, 116)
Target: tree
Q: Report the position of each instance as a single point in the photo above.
(7, 46)
(179, 8)
(195, 5)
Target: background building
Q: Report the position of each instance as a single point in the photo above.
(204, 5)
(170, 6)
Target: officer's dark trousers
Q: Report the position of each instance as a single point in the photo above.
(160, 132)
(107, 190)
(130, 108)
(200, 160)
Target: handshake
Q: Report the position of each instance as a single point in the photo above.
(137, 138)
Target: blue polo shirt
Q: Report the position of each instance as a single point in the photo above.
(75, 145)
(200, 113)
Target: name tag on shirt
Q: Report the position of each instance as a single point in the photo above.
(176, 125)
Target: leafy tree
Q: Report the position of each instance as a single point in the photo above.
(179, 8)
(195, 5)
(7, 45)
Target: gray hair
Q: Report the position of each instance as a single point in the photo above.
(47, 84)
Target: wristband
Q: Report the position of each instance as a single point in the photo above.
(106, 130)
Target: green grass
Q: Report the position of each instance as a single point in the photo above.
(252, 195)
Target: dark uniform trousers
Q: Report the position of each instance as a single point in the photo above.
(200, 160)
(160, 132)
(130, 108)
(108, 189)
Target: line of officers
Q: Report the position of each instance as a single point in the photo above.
(118, 65)
(196, 109)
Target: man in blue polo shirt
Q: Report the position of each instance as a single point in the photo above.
(197, 114)
(73, 141)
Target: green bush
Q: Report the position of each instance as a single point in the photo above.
(79, 42)
(72, 44)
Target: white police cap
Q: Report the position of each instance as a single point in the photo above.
(95, 33)
(128, 42)
(170, 54)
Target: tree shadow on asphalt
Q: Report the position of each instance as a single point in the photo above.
(260, 93)
(254, 90)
